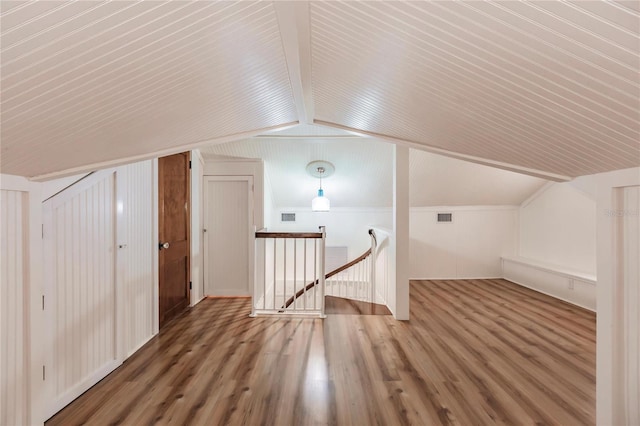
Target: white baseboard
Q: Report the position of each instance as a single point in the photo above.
(573, 287)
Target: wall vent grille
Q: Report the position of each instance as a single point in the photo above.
(445, 217)
(287, 217)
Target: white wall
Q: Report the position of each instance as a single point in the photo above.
(253, 168)
(21, 357)
(345, 227)
(14, 286)
(51, 187)
(558, 226)
(614, 384)
(468, 247)
(133, 210)
(630, 250)
(269, 206)
(563, 284)
(557, 243)
(384, 279)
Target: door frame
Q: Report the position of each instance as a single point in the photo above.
(250, 225)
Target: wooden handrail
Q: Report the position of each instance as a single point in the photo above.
(329, 275)
(288, 234)
(348, 265)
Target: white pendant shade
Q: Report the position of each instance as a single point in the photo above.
(320, 203)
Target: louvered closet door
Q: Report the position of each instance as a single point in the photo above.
(80, 284)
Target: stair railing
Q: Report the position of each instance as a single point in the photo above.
(353, 280)
(284, 263)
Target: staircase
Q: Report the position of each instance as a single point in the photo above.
(287, 259)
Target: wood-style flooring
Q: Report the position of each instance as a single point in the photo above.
(476, 352)
(339, 305)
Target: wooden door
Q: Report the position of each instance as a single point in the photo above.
(229, 224)
(174, 229)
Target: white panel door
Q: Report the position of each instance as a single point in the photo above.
(229, 225)
(80, 304)
(13, 368)
(136, 250)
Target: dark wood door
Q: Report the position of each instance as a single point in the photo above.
(174, 230)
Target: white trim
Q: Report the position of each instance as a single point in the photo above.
(400, 239)
(300, 209)
(555, 269)
(36, 332)
(15, 183)
(156, 255)
(82, 185)
(307, 209)
(609, 347)
(198, 155)
(211, 161)
(448, 209)
(293, 20)
(196, 237)
(198, 301)
(473, 159)
(77, 390)
(137, 348)
(455, 278)
(160, 153)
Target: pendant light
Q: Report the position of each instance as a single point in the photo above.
(320, 169)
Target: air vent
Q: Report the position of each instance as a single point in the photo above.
(445, 217)
(287, 217)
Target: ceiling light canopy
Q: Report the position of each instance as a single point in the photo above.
(320, 169)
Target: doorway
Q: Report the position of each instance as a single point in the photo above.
(227, 242)
(174, 228)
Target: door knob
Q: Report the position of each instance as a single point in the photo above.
(164, 246)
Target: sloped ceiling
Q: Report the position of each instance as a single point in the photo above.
(89, 82)
(363, 172)
(550, 88)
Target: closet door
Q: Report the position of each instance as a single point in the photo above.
(80, 260)
(228, 220)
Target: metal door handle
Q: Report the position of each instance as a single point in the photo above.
(164, 246)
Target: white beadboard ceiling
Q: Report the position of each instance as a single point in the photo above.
(91, 82)
(363, 175)
(549, 88)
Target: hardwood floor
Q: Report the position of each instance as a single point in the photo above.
(339, 305)
(475, 352)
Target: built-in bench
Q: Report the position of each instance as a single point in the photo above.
(572, 286)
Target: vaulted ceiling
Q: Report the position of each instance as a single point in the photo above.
(363, 174)
(548, 88)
